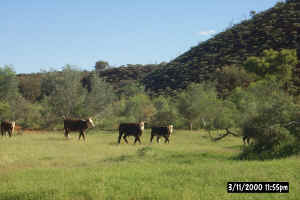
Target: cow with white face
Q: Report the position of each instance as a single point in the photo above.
(79, 125)
(7, 126)
(131, 129)
(163, 131)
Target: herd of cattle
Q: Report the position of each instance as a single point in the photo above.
(125, 129)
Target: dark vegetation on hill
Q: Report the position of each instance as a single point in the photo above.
(277, 28)
(123, 75)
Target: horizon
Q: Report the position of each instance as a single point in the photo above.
(40, 36)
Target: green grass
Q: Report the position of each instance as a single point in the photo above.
(47, 166)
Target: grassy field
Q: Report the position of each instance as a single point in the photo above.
(47, 166)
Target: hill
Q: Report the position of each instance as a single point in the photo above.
(123, 75)
(276, 28)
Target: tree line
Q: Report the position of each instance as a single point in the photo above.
(254, 100)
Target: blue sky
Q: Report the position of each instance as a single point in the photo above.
(39, 35)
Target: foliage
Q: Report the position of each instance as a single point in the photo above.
(198, 102)
(121, 76)
(265, 110)
(139, 108)
(98, 100)
(28, 115)
(278, 65)
(101, 65)
(30, 86)
(130, 89)
(166, 112)
(230, 77)
(8, 93)
(8, 84)
(68, 95)
(5, 110)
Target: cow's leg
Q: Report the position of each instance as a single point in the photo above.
(84, 136)
(137, 138)
(120, 136)
(66, 133)
(80, 134)
(157, 138)
(124, 137)
(9, 133)
(244, 139)
(166, 139)
(151, 138)
(3, 132)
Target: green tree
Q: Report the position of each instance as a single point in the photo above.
(8, 84)
(166, 112)
(131, 89)
(30, 87)
(230, 77)
(265, 110)
(273, 64)
(101, 65)
(8, 93)
(138, 108)
(195, 102)
(66, 94)
(5, 110)
(99, 99)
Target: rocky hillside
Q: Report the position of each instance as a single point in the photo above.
(276, 28)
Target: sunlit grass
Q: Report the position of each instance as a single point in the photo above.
(47, 166)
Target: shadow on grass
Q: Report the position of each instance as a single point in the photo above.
(234, 147)
(53, 139)
(82, 195)
(143, 151)
(119, 158)
(191, 158)
(113, 143)
(45, 195)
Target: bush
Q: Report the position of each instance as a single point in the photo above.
(265, 110)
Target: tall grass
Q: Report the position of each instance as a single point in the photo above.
(47, 166)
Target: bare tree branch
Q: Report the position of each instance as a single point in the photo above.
(228, 132)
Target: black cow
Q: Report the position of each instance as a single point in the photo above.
(131, 129)
(77, 125)
(164, 131)
(7, 126)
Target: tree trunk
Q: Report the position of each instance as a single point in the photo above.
(191, 126)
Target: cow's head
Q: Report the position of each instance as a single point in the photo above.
(142, 125)
(13, 124)
(170, 127)
(90, 122)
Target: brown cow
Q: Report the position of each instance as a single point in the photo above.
(7, 126)
(164, 131)
(77, 125)
(131, 129)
